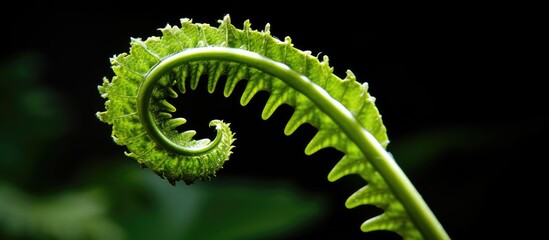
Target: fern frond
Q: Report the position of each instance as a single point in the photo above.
(341, 110)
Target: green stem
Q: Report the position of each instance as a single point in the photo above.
(398, 182)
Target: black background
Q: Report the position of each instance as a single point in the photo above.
(430, 66)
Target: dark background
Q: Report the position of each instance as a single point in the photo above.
(451, 82)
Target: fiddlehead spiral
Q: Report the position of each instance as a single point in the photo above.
(341, 109)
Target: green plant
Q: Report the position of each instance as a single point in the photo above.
(341, 110)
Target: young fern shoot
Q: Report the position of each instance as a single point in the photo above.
(342, 110)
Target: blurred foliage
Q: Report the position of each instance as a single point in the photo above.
(32, 117)
(70, 215)
(150, 208)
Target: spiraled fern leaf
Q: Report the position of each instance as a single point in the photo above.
(342, 110)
